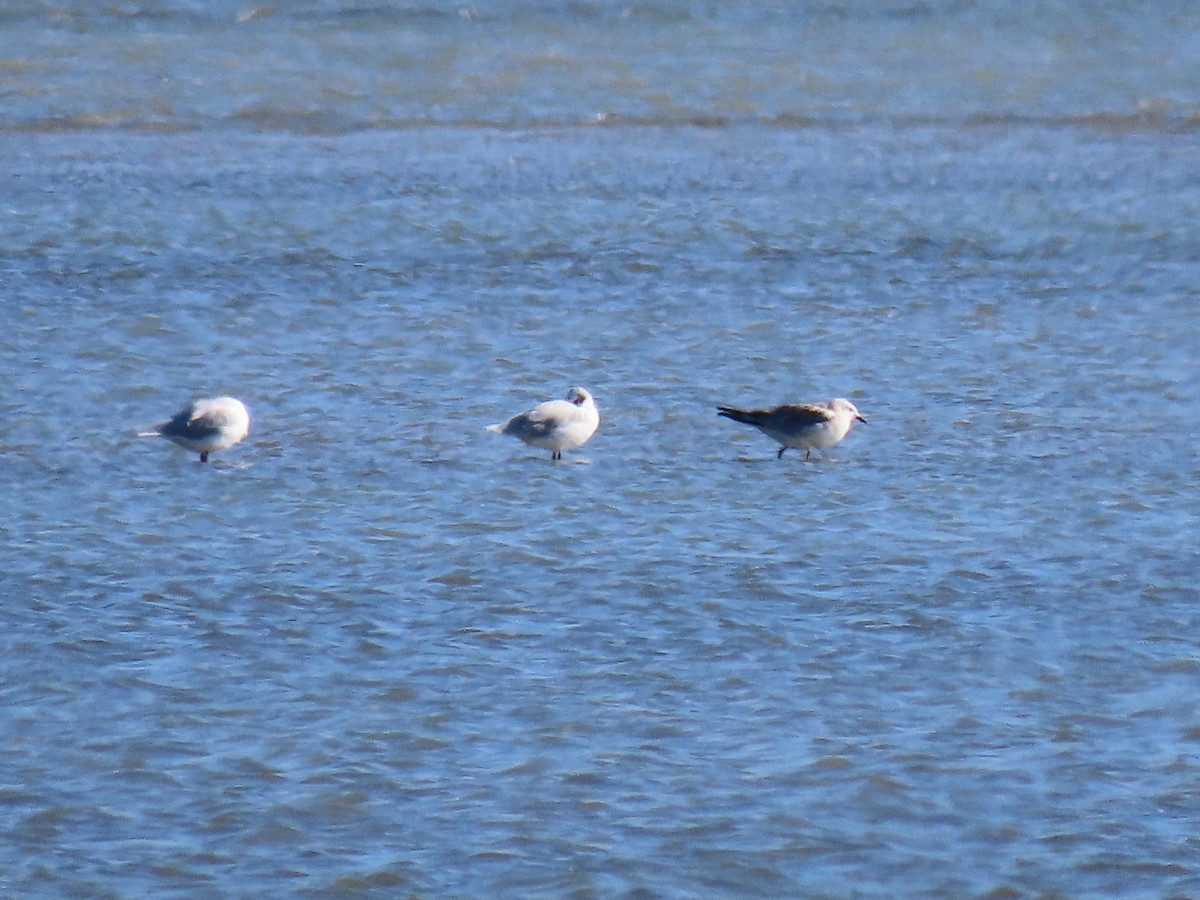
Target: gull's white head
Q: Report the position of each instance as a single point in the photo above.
(841, 405)
(579, 396)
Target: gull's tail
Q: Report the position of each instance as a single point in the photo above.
(498, 428)
(745, 416)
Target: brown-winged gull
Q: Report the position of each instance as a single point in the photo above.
(805, 426)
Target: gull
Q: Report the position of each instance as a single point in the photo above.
(805, 426)
(205, 426)
(555, 425)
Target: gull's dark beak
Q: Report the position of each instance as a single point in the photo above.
(860, 419)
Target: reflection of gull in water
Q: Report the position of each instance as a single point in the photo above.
(807, 426)
(555, 425)
(205, 426)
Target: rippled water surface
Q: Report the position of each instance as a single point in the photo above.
(376, 651)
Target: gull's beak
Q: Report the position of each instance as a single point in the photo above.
(859, 418)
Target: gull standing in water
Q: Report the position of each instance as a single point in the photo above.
(555, 425)
(805, 426)
(205, 426)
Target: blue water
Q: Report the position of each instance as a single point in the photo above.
(374, 650)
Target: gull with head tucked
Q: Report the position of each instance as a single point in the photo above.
(555, 425)
(205, 426)
(805, 426)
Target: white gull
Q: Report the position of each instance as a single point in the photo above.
(555, 425)
(205, 426)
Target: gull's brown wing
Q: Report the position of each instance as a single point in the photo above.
(793, 417)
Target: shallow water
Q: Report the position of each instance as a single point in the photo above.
(374, 650)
